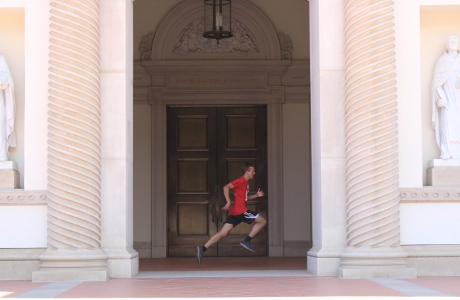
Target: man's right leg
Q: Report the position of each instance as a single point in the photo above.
(214, 239)
(259, 223)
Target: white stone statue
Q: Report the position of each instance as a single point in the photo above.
(7, 111)
(446, 100)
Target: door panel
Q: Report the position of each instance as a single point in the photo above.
(243, 138)
(191, 179)
(207, 147)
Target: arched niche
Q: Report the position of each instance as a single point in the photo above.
(189, 11)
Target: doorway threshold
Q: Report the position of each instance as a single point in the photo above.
(222, 267)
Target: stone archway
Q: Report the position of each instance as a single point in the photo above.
(189, 79)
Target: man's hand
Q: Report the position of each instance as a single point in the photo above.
(260, 193)
(226, 207)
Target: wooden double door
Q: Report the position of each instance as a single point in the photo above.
(207, 146)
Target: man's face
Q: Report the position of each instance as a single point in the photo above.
(251, 172)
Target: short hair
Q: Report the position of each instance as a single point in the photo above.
(449, 38)
(246, 167)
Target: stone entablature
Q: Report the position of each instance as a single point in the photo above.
(22, 197)
(295, 80)
(430, 195)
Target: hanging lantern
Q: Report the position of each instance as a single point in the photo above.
(217, 19)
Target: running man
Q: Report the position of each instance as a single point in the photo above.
(239, 213)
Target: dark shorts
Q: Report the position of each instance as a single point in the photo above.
(248, 217)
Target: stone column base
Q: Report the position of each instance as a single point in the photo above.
(275, 251)
(9, 176)
(375, 262)
(122, 263)
(443, 172)
(324, 262)
(72, 265)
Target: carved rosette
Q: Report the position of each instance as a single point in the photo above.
(371, 124)
(74, 142)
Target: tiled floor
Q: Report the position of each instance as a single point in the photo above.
(232, 278)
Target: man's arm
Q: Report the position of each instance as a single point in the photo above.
(259, 193)
(227, 189)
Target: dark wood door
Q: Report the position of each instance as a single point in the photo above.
(207, 147)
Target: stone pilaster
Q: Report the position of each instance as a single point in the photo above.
(74, 146)
(371, 144)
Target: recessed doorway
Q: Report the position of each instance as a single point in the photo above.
(206, 148)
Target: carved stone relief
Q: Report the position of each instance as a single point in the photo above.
(429, 195)
(190, 40)
(21, 197)
(286, 46)
(145, 46)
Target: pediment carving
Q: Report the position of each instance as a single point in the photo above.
(190, 40)
(179, 36)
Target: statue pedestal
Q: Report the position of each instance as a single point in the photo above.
(443, 172)
(9, 175)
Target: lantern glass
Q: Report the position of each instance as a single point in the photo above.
(217, 19)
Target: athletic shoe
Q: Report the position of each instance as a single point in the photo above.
(247, 245)
(199, 254)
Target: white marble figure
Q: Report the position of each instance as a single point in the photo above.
(7, 110)
(446, 100)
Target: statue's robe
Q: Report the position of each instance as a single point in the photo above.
(446, 121)
(7, 110)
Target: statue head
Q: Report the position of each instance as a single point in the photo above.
(452, 42)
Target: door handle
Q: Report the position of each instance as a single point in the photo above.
(213, 208)
(221, 213)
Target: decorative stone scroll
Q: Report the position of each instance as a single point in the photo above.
(21, 197)
(286, 46)
(190, 40)
(145, 46)
(429, 195)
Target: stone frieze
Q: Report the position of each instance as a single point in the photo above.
(430, 194)
(22, 197)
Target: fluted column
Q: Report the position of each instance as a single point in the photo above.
(371, 143)
(74, 146)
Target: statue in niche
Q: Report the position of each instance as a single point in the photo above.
(7, 111)
(445, 95)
